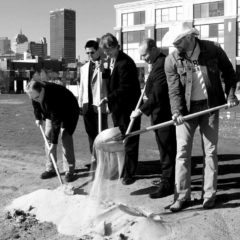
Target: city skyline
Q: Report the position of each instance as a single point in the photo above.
(93, 19)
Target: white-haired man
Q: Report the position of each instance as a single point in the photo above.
(193, 75)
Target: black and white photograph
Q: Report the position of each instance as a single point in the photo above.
(120, 120)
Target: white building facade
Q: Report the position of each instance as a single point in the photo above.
(216, 20)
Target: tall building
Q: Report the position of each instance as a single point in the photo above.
(63, 35)
(39, 48)
(216, 20)
(5, 45)
(20, 43)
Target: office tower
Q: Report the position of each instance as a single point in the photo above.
(39, 48)
(63, 35)
(5, 45)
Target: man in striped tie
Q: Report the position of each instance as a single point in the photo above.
(193, 74)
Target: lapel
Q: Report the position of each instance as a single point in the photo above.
(94, 75)
(86, 69)
(116, 62)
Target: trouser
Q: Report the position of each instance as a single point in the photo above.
(209, 125)
(67, 149)
(130, 146)
(91, 125)
(166, 141)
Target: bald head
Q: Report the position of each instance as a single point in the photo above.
(148, 50)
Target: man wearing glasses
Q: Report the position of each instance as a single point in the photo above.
(89, 93)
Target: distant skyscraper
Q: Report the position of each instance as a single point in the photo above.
(38, 48)
(5, 45)
(63, 34)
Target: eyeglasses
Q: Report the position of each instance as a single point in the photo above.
(88, 53)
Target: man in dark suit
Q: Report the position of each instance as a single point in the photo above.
(157, 106)
(123, 89)
(59, 108)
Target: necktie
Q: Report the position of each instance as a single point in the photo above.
(112, 63)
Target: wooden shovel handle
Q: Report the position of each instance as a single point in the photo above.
(171, 122)
(51, 155)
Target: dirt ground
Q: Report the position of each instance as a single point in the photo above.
(22, 161)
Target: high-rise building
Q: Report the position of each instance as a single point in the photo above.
(5, 45)
(38, 48)
(20, 43)
(63, 35)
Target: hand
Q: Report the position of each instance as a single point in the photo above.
(178, 119)
(39, 122)
(103, 101)
(233, 102)
(52, 148)
(136, 113)
(99, 64)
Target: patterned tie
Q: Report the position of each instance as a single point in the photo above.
(203, 85)
(112, 63)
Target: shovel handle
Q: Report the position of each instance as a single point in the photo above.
(51, 155)
(171, 122)
(138, 105)
(99, 79)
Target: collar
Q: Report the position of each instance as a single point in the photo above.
(181, 56)
(160, 54)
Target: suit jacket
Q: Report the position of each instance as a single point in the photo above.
(83, 89)
(60, 106)
(158, 104)
(123, 88)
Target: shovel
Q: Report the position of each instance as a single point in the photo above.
(111, 140)
(137, 212)
(133, 119)
(68, 189)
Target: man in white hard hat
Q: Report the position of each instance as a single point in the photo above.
(193, 75)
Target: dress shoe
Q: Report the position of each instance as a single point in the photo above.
(156, 182)
(48, 174)
(208, 203)
(178, 205)
(163, 190)
(69, 177)
(128, 180)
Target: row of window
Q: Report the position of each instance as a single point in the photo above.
(212, 9)
(135, 18)
(201, 10)
(212, 32)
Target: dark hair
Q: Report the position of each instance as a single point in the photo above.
(35, 85)
(151, 43)
(108, 41)
(92, 44)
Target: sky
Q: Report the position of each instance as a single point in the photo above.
(93, 19)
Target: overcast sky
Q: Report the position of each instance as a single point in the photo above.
(93, 18)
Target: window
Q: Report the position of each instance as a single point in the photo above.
(238, 40)
(211, 9)
(160, 32)
(135, 18)
(213, 32)
(169, 14)
(131, 41)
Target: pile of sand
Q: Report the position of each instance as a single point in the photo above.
(80, 215)
(97, 216)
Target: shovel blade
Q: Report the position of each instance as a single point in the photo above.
(109, 140)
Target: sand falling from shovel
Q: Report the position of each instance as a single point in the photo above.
(79, 215)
